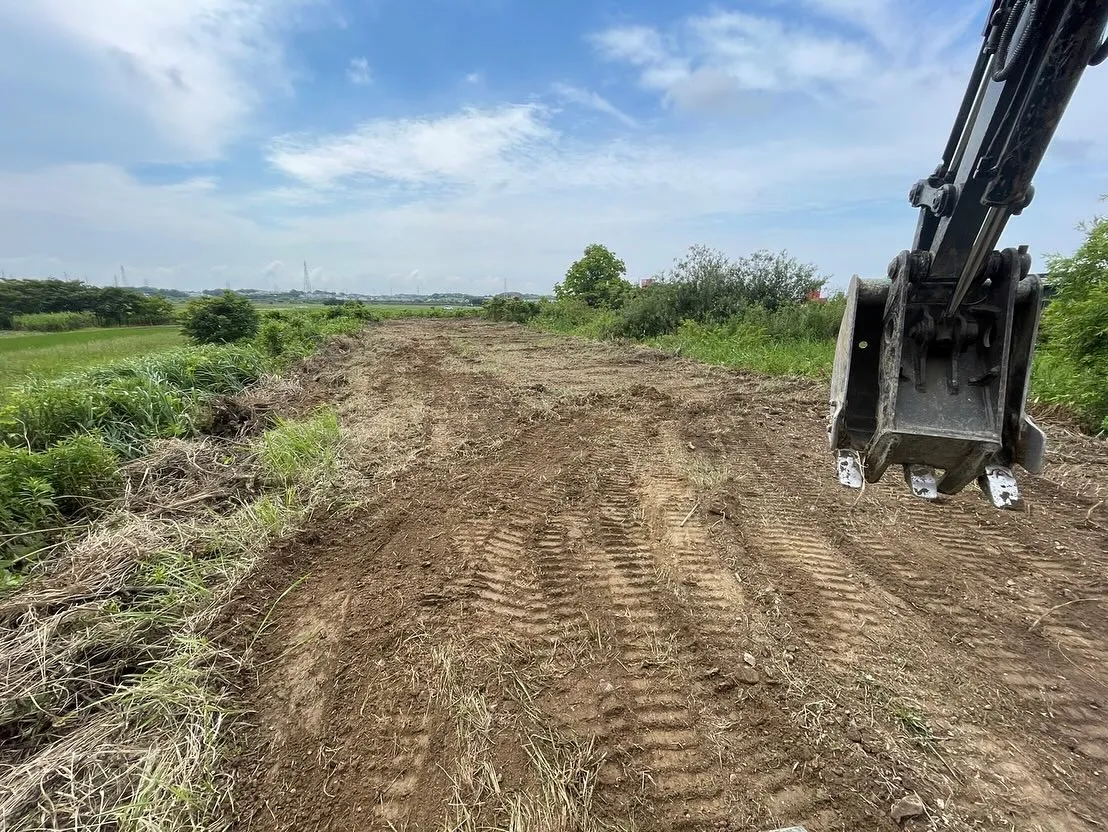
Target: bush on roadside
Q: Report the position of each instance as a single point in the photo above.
(284, 338)
(650, 312)
(222, 319)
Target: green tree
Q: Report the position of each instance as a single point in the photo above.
(1075, 327)
(597, 278)
(114, 305)
(150, 309)
(220, 320)
(776, 280)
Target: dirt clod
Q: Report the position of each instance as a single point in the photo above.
(748, 675)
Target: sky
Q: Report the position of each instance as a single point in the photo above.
(473, 145)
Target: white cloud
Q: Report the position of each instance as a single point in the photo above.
(643, 47)
(593, 101)
(192, 70)
(745, 158)
(707, 61)
(358, 72)
(474, 78)
(470, 146)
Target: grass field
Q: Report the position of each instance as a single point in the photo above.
(48, 354)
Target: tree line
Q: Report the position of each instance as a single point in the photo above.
(704, 285)
(108, 305)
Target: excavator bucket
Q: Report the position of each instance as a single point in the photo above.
(942, 395)
(932, 365)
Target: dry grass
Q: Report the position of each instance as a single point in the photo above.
(489, 689)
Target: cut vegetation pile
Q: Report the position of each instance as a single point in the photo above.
(152, 484)
(112, 714)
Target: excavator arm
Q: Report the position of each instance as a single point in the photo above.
(932, 364)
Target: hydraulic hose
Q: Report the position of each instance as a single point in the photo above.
(1005, 62)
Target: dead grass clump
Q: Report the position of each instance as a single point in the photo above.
(177, 474)
(494, 711)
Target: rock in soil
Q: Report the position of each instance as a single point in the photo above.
(909, 806)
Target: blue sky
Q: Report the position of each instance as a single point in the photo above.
(459, 144)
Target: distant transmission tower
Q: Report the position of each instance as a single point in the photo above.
(307, 280)
(123, 275)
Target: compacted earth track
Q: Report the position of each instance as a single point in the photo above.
(595, 586)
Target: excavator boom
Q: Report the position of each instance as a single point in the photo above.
(933, 363)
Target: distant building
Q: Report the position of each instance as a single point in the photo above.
(646, 281)
(814, 296)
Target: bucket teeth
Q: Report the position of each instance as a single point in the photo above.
(848, 466)
(999, 485)
(921, 479)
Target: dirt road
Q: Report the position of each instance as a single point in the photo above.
(599, 587)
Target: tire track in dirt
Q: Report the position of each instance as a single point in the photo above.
(707, 590)
(997, 652)
(404, 759)
(720, 625)
(559, 544)
(840, 610)
(997, 631)
(1050, 580)
(666, 747)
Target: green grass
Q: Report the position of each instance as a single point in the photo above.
(783, 343)
(388, 311)
(43, 355)
(128, 402)
(795, 357)
(295, 450)
(61, 439)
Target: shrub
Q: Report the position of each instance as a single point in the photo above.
(510, 309)
(1072, 366)
(710, 287)
(564, 315)
(53, 321)
(221, 319)
(289, 338)
(650, 312)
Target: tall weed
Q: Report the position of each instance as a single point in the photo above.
(129, 402)
(40, 491)
(54, 321)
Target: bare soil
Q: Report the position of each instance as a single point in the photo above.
(594, 586)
